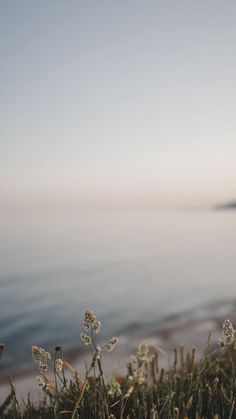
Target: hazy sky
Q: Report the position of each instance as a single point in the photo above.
(117, 101)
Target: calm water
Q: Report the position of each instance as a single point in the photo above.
(132, 268)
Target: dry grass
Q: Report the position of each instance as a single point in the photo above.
(189, 388)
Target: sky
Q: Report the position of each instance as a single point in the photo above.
(117, 102)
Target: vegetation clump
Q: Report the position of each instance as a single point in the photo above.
(188, 388)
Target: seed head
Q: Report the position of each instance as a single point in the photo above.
(115, 389)
(40, 355)
(176, 413)
(85, 339)
(59, 365)
(42, 367)
(89, 319)
(42, 383)
(142, 354)
(97, 326)
(111, 344)
(153, 413)
(138, 376)
(229, 332)
(221, 342)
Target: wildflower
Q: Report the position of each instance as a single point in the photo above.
(59, 365)
(89, 319)
(111, 344)
(85, 339)
(142, 354)
(229, 332)
(115, 389)
(40, 355)
(97, 326)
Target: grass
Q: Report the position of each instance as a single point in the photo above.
(188, 388)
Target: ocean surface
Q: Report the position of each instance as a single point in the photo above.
(133, 268)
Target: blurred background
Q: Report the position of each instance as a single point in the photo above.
(117, 168)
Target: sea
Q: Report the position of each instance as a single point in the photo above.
(133, 268)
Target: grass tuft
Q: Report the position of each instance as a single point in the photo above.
(189, 388)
